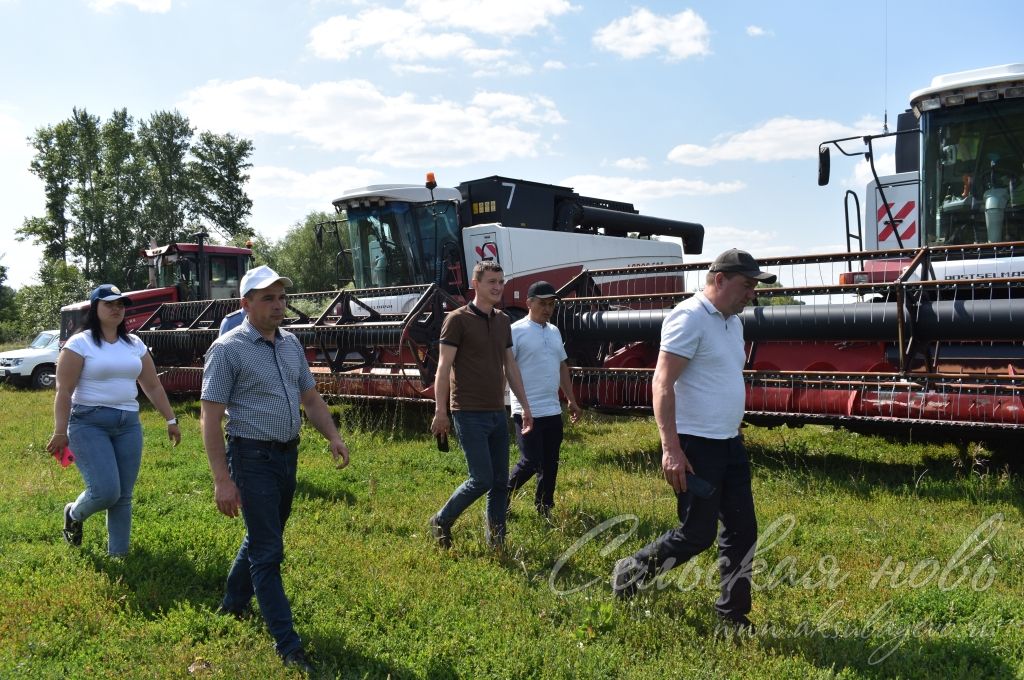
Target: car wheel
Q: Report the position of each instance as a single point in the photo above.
(44, 377)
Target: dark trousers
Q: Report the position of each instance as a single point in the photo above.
(538, 455)
(266, 481)
(725, 464)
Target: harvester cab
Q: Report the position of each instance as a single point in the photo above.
(959, 182)
(179, 274)
(402, 235)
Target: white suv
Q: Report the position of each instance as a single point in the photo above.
(36, 364)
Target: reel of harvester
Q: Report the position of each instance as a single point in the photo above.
(354, 349)
(930, 346)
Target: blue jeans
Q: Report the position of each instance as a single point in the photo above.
(107, 443)
(484, 439)
(266, 482)
(725, 464)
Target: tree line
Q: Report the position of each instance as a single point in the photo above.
(113, 187)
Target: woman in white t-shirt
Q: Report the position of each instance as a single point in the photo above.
(96, 412)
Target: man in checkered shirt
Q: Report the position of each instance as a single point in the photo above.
(258, 375)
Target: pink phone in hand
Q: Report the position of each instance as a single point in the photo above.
(64, 456)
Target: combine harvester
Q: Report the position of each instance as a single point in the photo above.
(412, 252)
(921, 329)
(917, 328)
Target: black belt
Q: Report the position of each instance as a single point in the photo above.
(269, 444)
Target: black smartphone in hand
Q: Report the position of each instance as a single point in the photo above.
(700, 487)
(442, 442)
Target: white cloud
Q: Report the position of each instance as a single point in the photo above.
(534, 110)
(785, 138)
(885, 164)
(319, 187)
(643, 33)
(152, 6)
(635, 163)
(492, 17)
(758, 32)
(553, 65)
(636, 190)
(436, 30)
(355, 117)
(502, 68)
(416, 69)
(396, 34)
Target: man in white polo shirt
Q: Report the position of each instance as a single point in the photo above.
(537, 346)
(699, 398)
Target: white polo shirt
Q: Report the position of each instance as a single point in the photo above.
(539, 352)
(710, 393)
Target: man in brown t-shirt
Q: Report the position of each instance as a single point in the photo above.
(475, 361)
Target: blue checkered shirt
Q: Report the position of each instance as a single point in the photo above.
(259, 382)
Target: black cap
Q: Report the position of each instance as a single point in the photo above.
(108, 292)
(541, 289)
(741, 262)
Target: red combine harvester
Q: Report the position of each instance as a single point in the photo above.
(196, 281)
(916, 329)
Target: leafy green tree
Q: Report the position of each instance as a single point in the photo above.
(218, 178)
(165, 140)
(123, 192)
(310, 265)
(264, 250)
(39, 305)
(8, 308)
(86, 202)
(52, 164)
(114, 187)
(776, 299)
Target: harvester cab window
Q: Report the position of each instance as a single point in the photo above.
(380, 255)
(438, 227)
(975, 156)
(223, 277)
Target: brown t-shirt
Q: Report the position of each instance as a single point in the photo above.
(478, 372)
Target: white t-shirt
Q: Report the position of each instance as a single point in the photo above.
(710, 393)
(539, 352)
(109, 372)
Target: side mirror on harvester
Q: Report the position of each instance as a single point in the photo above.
(824, 165)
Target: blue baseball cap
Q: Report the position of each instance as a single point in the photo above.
(108, 292)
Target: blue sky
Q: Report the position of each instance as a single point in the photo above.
(707, 112)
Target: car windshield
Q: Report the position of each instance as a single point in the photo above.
(44, 339)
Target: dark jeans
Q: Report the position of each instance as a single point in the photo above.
(484, 439)
(724, 463)
(538, 455)
(266, 481)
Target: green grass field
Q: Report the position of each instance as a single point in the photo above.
(877, 560)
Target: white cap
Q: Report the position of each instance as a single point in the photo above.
(261, 277)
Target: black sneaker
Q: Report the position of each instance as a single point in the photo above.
(442, 533)
(237, 614)
(72, 527)
(626, 577)
(736, 626)
(297, 660)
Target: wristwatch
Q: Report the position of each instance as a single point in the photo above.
(172, 421)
